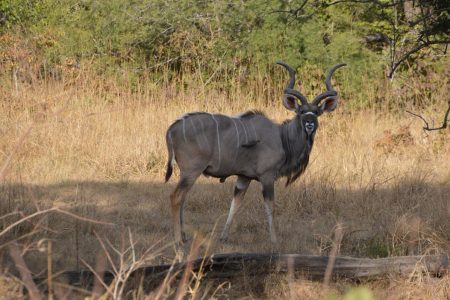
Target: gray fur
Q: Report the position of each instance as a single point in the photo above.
(268, 151)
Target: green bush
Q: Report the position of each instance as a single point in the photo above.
(210, 40)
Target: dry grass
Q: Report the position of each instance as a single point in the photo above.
(98, 150)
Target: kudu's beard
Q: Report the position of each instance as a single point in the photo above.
(309, 132)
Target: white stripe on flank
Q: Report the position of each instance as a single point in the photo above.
(193, 125)
(243, 126)
(218, 137)
(237, 132)
(203, 132)
(195, 131)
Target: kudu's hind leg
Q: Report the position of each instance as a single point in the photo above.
(240, 188)
(177, 199)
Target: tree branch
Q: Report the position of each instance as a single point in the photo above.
(376, 2)
(425, 17)
(417, 48)
(427, 126)
(24, 271)
(296, 11)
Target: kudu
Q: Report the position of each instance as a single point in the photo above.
(249, 145)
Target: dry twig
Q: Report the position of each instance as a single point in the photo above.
(332, 258)
(25, 273)
(427, 126)
(46, 211)
(188, 270)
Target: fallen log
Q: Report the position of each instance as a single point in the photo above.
(232, 265)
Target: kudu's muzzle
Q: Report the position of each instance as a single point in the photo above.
(309, 127)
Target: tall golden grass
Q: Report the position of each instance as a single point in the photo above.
(97, 148)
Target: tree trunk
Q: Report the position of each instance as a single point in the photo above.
(227, 266)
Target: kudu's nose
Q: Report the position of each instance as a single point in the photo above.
(309, 126)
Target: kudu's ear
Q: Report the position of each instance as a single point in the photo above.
(290, 102)
(328, 105)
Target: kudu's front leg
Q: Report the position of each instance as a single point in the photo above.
(269, 197)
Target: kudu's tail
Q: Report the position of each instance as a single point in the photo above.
(171, 159)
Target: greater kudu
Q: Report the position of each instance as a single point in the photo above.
(249, 145)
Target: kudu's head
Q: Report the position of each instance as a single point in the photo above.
(307, 113)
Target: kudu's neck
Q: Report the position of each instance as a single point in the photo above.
(297, 145)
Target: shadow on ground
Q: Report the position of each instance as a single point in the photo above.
(411, 217)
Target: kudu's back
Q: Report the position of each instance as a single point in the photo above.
(220, 146)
